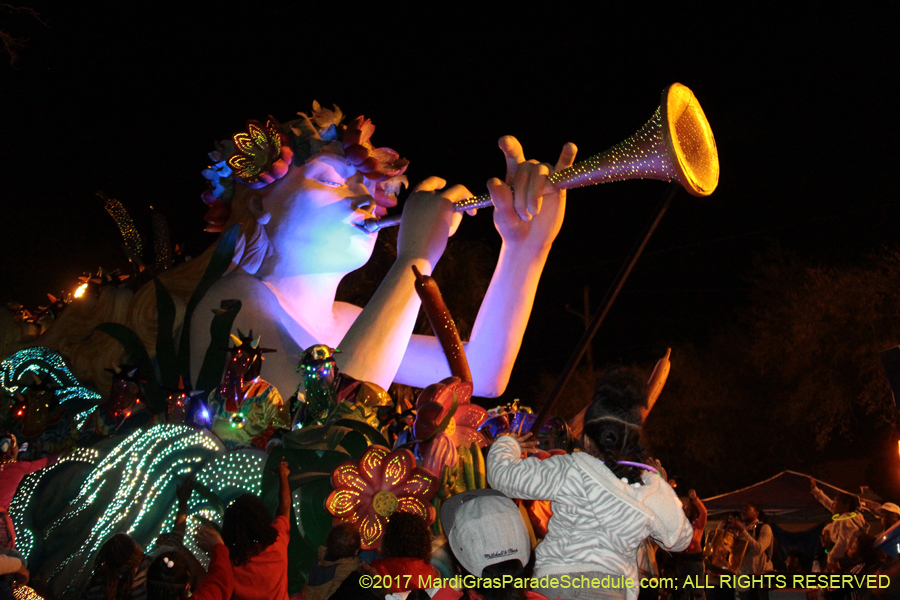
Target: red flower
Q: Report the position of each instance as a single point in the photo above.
(382, 482)
(433, 406)
(217, 215)
(376, 164)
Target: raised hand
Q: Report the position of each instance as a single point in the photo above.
(208, 538)
(532, 214)
(283, 469)
(527, 442)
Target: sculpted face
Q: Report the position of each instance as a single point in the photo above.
(313, 212)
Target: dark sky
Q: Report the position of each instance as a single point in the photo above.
(128, 97)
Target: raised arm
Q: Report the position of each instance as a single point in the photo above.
(525, 479)
(183, 494)
(700, 523)
(284, 490)
(528, 222)
(819, 495)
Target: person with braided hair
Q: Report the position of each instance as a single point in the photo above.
(606, 500)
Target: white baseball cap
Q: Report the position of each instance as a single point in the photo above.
(887, 507)
(484, 527)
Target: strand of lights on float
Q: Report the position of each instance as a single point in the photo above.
(139, 457)
(42, 362)
(20, 502)
(229, 476)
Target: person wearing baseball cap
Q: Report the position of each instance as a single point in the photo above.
(889, 513)
(488, 538)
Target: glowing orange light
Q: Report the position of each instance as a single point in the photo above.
(81, 290)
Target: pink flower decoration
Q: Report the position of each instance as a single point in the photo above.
(433, 406)
(381, 483)
(439, 453)
(376, 164)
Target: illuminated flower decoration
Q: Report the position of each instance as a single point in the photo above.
(263, 153)
(434, 405)
(381, 483)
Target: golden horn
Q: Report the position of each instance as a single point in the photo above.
(676, 144)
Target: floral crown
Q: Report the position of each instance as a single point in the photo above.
(264, 152)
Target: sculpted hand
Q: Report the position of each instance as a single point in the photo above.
(529, 215)
(429, 220)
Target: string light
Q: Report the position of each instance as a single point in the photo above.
(44, 363)
(22, 499)
(79, 292)
(129, 482)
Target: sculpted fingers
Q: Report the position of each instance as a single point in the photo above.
(502, 198)
(535, 192)
(456, 193)
(512, 151)
(521, 185)
(566, 157)
(430, 184)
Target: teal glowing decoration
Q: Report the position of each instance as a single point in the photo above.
(46, 364)
(70, 510)
(23, 497)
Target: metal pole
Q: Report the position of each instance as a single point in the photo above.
(601, 313)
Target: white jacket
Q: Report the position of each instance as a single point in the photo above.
(598, 521)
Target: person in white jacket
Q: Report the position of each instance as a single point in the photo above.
(847, 523)
(603, 508)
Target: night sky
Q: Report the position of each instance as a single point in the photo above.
(127, 98)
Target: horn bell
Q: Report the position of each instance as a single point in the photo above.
(676, 144)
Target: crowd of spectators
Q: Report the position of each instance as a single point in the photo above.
(615, 519)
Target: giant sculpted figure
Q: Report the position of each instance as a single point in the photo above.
(300, 195)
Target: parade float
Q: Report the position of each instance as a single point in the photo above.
(140, 382)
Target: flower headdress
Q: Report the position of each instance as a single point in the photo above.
(264, 152)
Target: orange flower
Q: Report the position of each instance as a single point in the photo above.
(382, 482)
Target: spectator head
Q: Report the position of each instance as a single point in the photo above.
(116, 564)
(795, 562)
(169, 577)
(862, 549)
(406, 536)
(343, 541)
(485, 529)
(889, 513)
(749, 512)
(612, 424)
(844, 503)
(247, 528)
